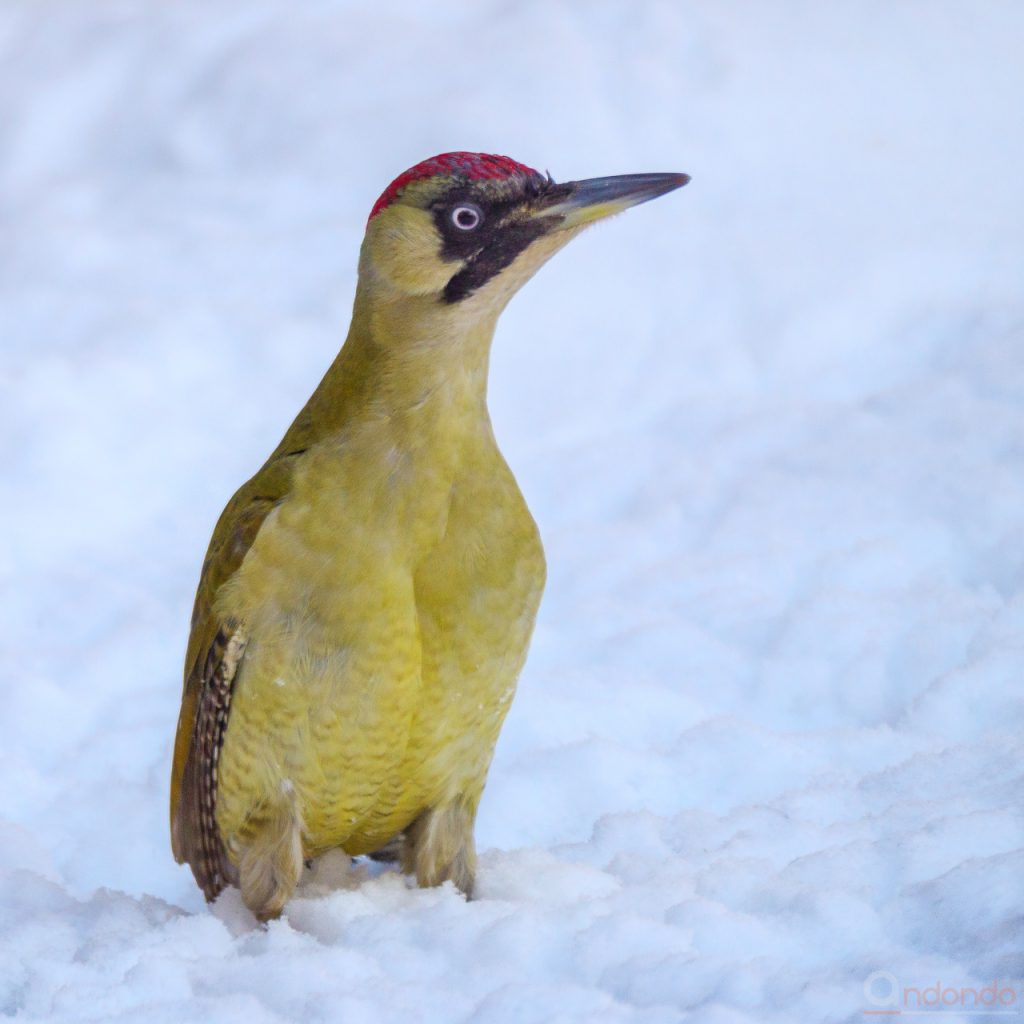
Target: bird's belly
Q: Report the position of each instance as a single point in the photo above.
(364, 744)
(327, 732)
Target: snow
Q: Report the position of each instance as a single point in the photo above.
(768, 740)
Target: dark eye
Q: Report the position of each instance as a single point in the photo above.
(466, 216)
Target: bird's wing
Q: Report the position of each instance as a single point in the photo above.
(194, 833)
(215, 651)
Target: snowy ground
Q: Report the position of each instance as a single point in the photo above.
(768, 741)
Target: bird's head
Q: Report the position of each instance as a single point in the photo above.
(469, 229)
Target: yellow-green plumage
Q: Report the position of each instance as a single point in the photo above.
(368, 597)
(392, 594)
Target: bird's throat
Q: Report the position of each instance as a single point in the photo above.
(419, 363)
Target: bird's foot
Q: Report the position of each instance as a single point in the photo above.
(439, 847)
(269, 865)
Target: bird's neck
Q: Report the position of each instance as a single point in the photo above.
(399, 418)
(412, 368)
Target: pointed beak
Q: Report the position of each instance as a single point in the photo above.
(582, 202)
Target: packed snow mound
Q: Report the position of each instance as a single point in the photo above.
(765, 764)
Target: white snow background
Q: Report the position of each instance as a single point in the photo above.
(769, 737)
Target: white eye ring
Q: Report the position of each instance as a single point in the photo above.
(466, 217)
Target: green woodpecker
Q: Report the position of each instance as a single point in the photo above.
(367, 598)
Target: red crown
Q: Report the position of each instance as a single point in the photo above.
(471, 166)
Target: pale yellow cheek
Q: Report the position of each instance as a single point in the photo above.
(402, 248)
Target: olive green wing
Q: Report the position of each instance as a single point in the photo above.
(215, 652)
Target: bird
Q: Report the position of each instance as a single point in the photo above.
(368, 596)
